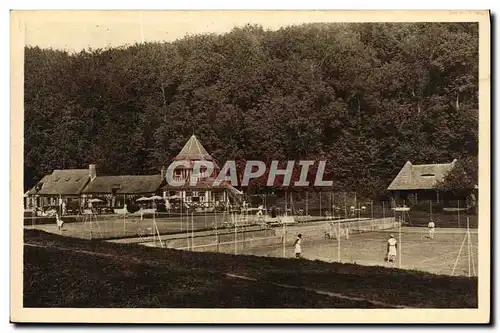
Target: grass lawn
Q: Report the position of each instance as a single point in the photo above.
(65, 272)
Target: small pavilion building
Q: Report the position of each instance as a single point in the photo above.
(204, 192)
(417, 182)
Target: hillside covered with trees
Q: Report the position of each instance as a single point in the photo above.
(365, 97)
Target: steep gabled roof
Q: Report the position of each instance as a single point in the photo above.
(38, 186)
(65, 182)
(421, 176)
(127, 184)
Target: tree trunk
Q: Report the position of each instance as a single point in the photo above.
(164, 104)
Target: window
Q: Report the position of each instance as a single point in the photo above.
(195, 194)
(428, 175)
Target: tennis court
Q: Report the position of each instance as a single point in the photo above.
(109, 227)
(416, 250)
(449, 252)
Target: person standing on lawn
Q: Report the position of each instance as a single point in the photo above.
(298, 247)
(432, 230)
(59, 222)
(392, 247)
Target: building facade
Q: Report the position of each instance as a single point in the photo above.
(205, 193)
(74, 187)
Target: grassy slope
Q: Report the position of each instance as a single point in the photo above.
(137, 276)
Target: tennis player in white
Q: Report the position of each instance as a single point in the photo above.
(432, 230)
(392, 246)
(298, 247)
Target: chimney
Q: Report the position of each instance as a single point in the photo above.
(92, 172)
(163, 173)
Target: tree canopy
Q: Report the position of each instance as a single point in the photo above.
(462, 179)
(366, 97)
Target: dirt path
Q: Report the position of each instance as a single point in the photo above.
(231, 275)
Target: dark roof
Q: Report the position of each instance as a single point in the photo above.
(420, 177)
(64, 182)
(128, 184)
(38, 186)
(193, 150)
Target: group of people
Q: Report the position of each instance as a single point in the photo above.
(392, 244)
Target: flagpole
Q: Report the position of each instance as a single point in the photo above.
(192, 231)
(468, 247)
(345, 205)
(472, 258)
(187, 230)
(333, 205)
(338, 241)
(307, 203)
(235, 234)
(284, 248)
(320, 213)
(400, 249)
(371, 206)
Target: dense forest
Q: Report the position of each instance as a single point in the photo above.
(365, 97)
